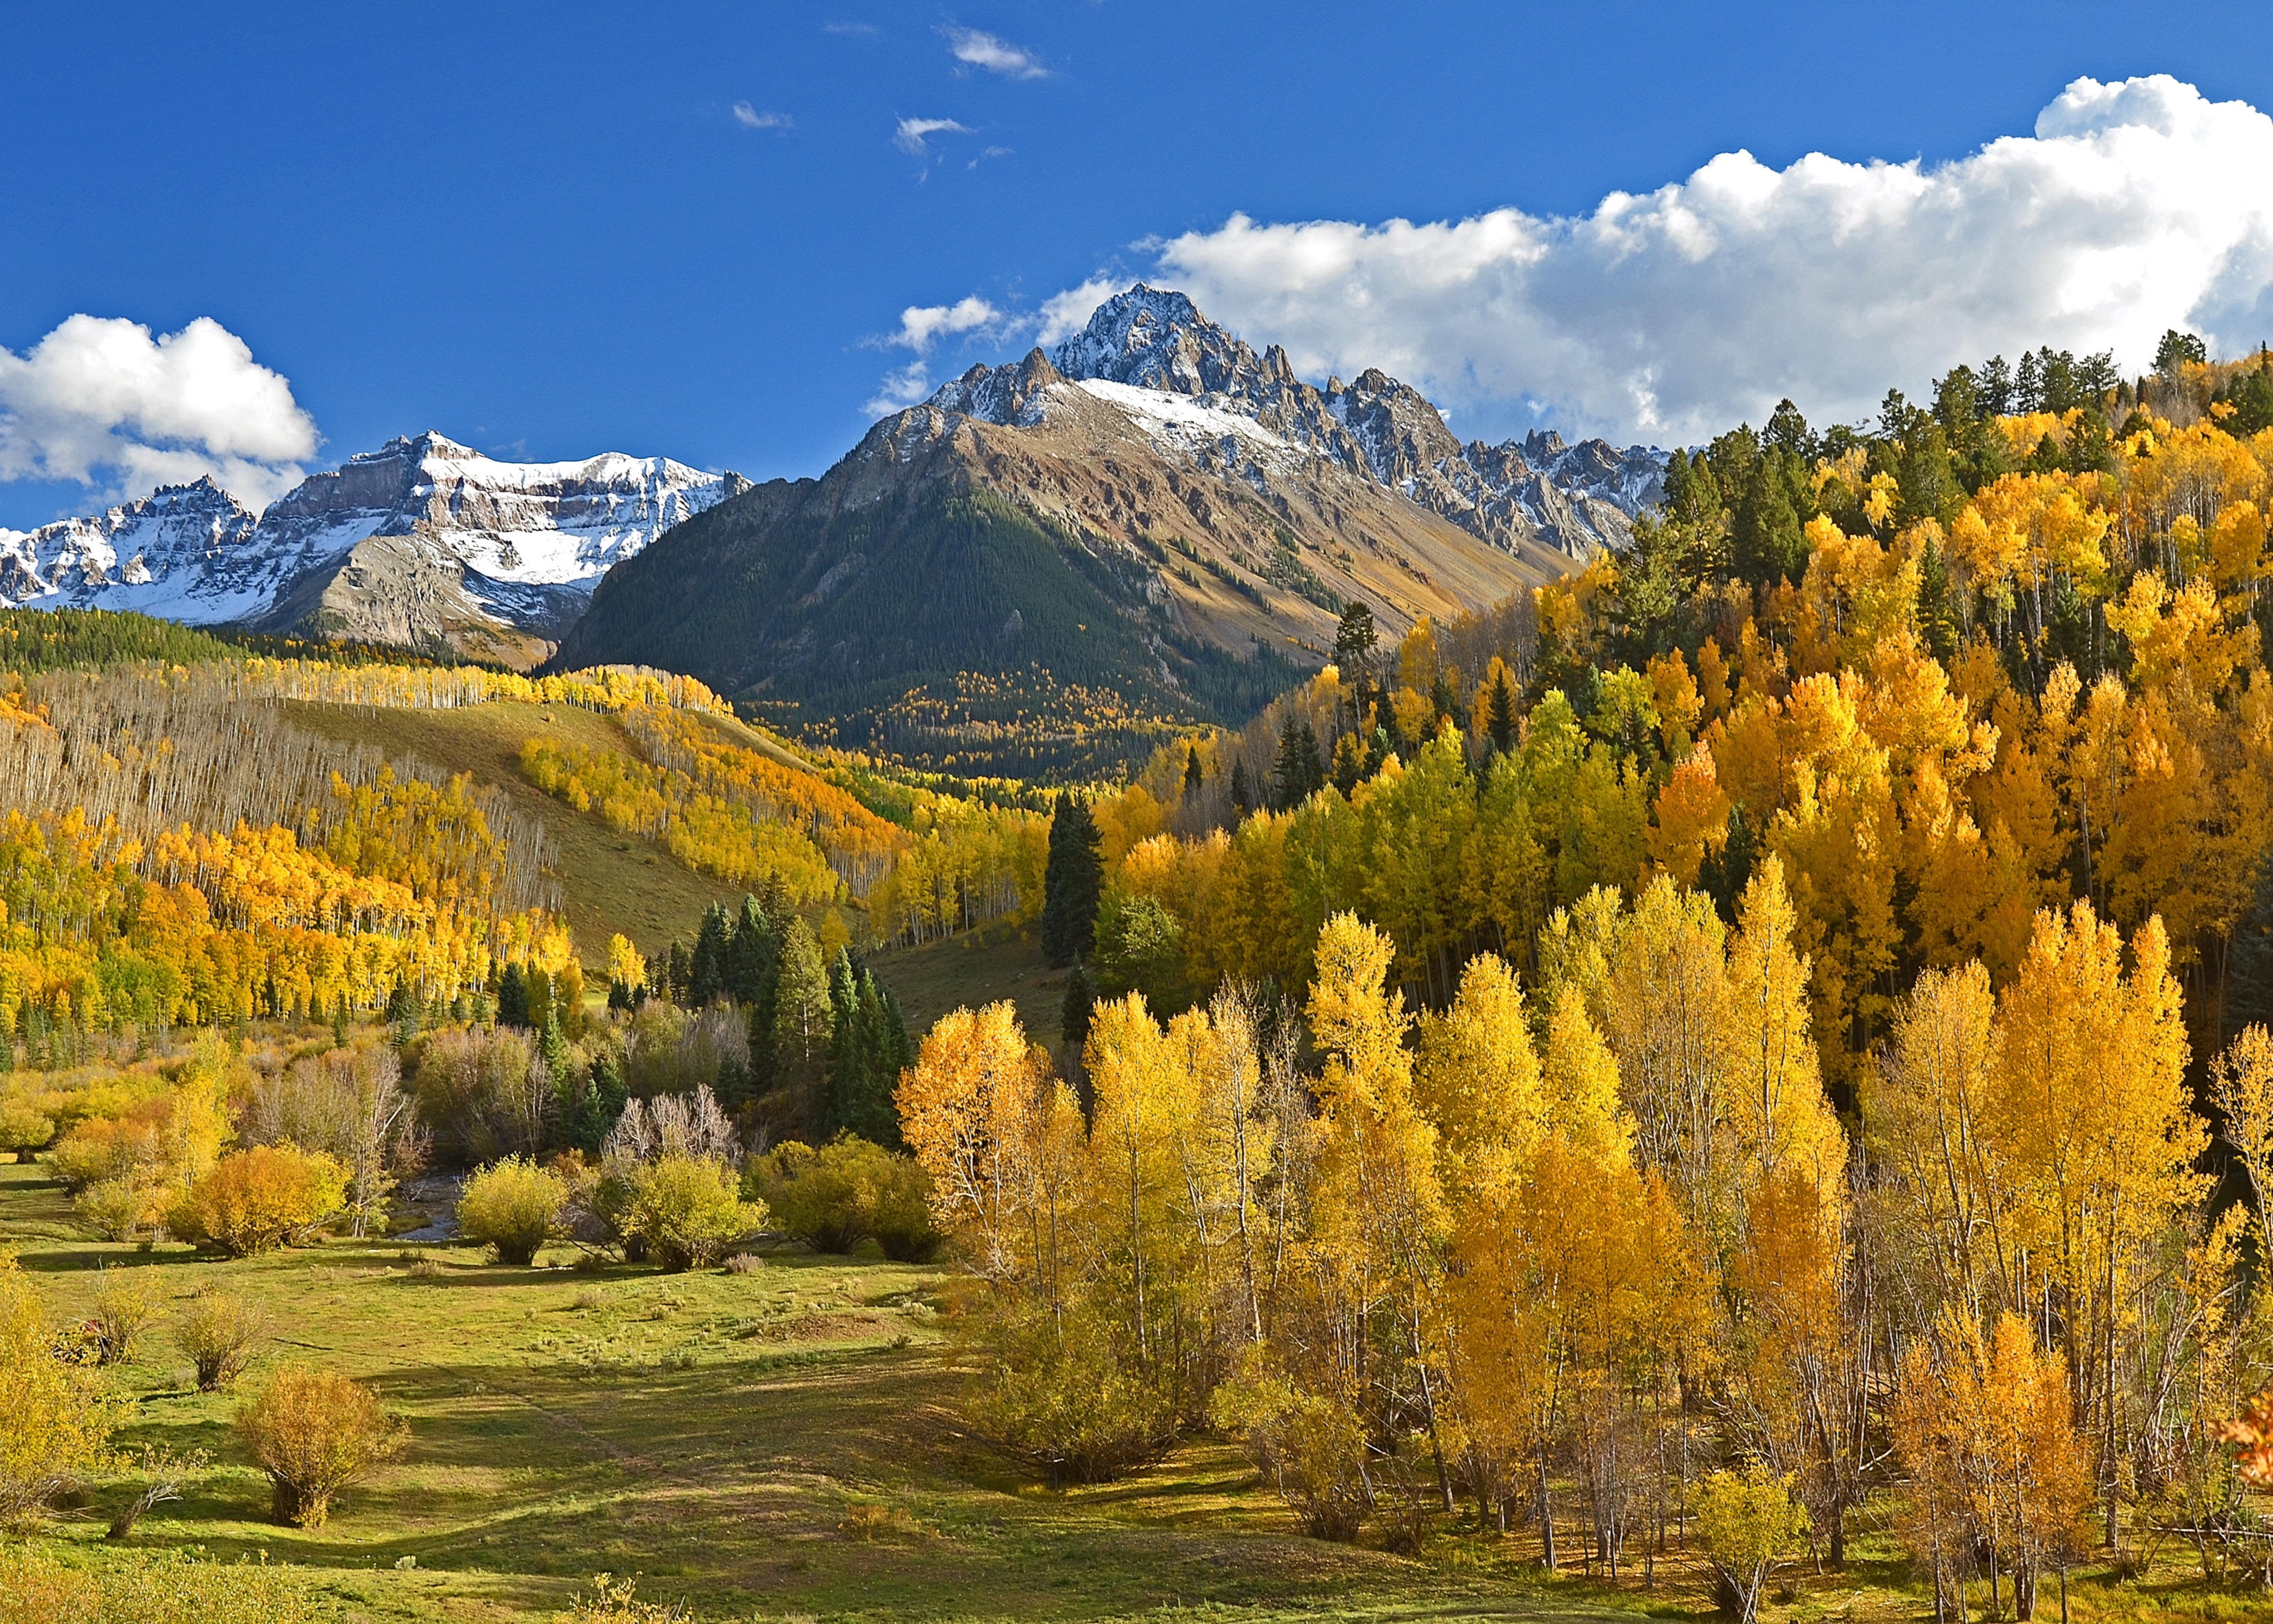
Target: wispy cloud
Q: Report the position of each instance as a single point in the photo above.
(750, 118)
(921, 327)
(856, 31)
(911, 134)
(994, 54)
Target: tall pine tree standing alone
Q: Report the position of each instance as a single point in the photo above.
(1072, 882)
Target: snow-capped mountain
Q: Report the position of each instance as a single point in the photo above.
(1153, 509)
(1152, 354)
(422, 539)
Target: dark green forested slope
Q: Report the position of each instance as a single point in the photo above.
(936, 622)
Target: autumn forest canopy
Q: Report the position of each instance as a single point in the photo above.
(1753, 1056)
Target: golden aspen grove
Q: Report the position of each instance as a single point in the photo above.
(1737, 1080)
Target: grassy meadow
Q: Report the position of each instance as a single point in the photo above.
(783, 1443)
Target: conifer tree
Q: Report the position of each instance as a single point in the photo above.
(512, 998)
(706, 966)
(1074, 1013)
(1194, 774)
(1072, 882)
(803, 1016)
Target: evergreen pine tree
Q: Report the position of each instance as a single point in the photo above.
(1072, 882)
(1242, 797)
(1080, 1003)
(1499, 712)
(707, 965)
(1194, 774)
(848, 1051)
(677, 979)
(597, 1108)
(512, 998)
(803, 1018)
(1297, 775)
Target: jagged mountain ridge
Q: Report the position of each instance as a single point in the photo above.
(1578, 499)
(422, 541)
(1150, 530)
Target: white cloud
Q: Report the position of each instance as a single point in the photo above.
(103, 401)
(1065, 314)
(2132, 207)
(910, 134)
(750, 118)
(996, 55)
(921, 324)
(900, 389)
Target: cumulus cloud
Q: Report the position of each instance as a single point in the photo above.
(750, 118)
(909, 136)
(2130, 208)
(994, 55)
(922, 326)
(104, 401)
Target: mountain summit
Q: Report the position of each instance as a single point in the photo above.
(1151, 515)
(424, 541)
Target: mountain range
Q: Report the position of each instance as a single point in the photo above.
(1149, 520)
(1151, 510)
(422, 543)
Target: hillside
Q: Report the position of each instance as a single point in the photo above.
(1038, 571)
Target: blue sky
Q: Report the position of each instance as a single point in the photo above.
(546, 231)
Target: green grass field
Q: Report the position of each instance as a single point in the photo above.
(712, 1432)
(780, 1444)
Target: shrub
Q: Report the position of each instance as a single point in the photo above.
(684, 1210)
(125, 1301)
(745, 1263)
(847, 1192)
(24, 1128)
(218, 1332)
(611, 1603)
(55, 1423)
(119, 1208)
(484, 1093)
(1749, 1522)
(256, 1200)
(512, 1207)
(314, 1432)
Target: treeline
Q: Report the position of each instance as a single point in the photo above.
(810, 1044)
(1564, 1256)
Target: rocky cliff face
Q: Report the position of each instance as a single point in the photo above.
(422, 541)
(1577, 499)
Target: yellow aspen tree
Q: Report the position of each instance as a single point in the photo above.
(2241, 1084)
(1476, 1079)
(1776, 1108)
(2096, 1124)
(1661, 1001)
(1378, 1204)
(1144, 1104)
(1237, 1115)
(999, 1136)
(1929, 1123)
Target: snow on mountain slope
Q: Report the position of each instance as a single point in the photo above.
(518, 544)
(1151, 345)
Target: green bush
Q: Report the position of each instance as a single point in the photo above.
(847, 1192)
(685, 1211)
(512, 1207)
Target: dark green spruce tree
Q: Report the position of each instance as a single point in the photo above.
(1072, 882)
